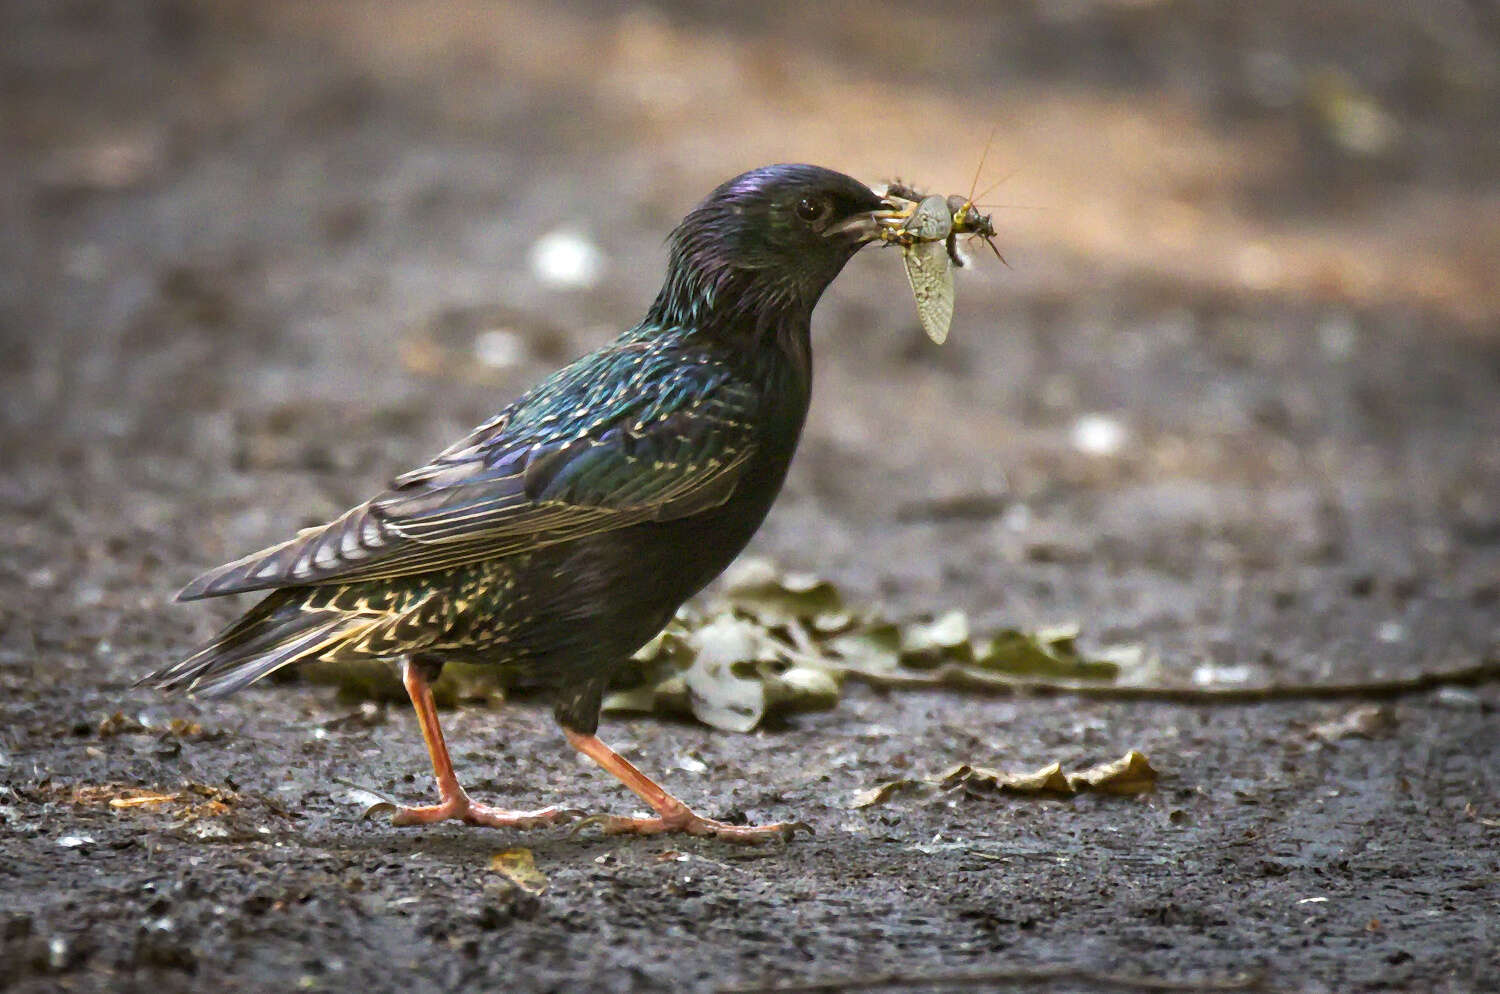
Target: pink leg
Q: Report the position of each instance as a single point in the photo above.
(672, 814)
(452, 801)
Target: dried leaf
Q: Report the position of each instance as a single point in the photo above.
(1366, 722)
(728, 672)
(193, 801)
(635, 700)
(798, 687)
(723, 687)
(1130, 774)
(946, 638)
(758, 589)
(882, 792)
(873, 647)
(118, 724)
(1045, 653)
(141, 800)
(1047, 780)
(953, 775)
(518, 866)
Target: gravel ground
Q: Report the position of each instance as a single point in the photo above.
(1236, 401)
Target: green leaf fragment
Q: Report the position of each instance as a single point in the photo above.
(757, 589)
(873, 647)
(1044, 653)
(927, 643)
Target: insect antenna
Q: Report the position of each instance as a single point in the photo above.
(1009, 207)
(991, 188)
(979, 170)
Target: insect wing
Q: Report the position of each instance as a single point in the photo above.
(931, 279)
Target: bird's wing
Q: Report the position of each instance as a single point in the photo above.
(660, 444)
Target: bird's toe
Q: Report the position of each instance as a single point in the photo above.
(481, 814)
(693, 824)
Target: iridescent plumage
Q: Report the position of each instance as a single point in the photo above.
(562, 534)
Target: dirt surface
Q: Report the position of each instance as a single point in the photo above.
(1236, 400)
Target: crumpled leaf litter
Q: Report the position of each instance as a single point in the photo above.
(773, 642)
(1131, 774)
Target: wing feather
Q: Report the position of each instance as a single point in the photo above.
(529, 479)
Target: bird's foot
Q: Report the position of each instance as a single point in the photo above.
(688, 823)
(459, 807)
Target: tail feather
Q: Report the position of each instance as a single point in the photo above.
(276, 633)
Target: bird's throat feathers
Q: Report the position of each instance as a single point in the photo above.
(712, 291)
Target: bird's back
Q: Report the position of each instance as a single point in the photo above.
(556, 537)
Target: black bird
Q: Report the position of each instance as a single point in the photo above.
(561, 535)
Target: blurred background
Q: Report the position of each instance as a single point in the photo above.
(1234, 402)
(257, 257)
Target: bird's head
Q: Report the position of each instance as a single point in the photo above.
(763, 246)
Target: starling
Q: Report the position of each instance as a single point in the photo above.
(561, 535)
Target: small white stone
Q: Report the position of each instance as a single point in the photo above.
(1017, 518)
(1098, 435)
(1206, 676)
(566, 260)
(1337, 336)
(500, 348)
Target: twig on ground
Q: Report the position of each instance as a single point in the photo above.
(957, 677)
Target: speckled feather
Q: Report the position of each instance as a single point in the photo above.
(654, 426)
(563, 533)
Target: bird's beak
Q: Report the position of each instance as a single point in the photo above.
(875, 225)
(859, 228)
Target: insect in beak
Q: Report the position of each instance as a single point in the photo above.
(926, 228)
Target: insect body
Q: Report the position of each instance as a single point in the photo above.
(968, 221)
(927, 229)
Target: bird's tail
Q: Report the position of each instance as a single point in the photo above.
(277, 632)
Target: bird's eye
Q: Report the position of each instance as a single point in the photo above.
(812, 209)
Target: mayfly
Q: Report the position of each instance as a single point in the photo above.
(925, 236)
(927, 228)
